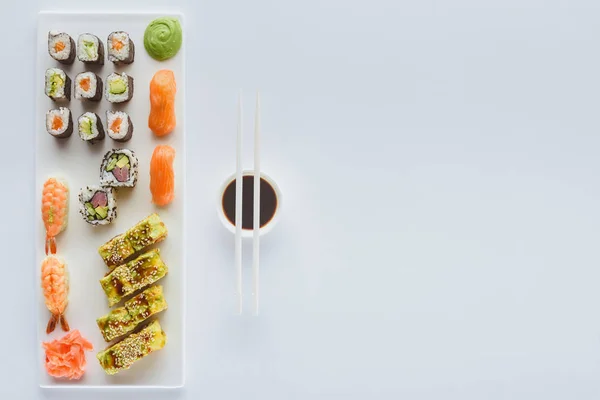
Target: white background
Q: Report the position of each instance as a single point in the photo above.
(439, 236)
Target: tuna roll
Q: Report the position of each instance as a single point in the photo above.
(61, 47)
(120, 48)
(119, 168)
(119, 126)
(59, 122)
(90, 127)
(119, 87)
(97, 205)
(58, 85)
(90, 49)
(88, 86)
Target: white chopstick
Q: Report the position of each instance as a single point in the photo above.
(256, 222)
(238, 207)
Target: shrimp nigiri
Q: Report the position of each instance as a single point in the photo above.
(162, 119)
(55, 206)
(55, 283)
(162, 178)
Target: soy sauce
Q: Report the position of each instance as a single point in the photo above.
(268, 202)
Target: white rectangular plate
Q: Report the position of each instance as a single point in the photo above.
(79, 163)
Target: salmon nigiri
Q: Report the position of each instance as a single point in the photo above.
(162, 103)
(55, 205)
(55, 283)
(162, 177)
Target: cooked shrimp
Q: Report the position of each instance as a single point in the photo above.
(55, 206)
(55, 283)
(162, 179)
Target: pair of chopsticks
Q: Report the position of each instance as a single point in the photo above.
(256, 205)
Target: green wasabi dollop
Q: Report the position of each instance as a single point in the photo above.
(163, 37)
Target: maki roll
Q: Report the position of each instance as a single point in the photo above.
(119, 87)
(119, 168)
(58, 85)
(97, 205)
(59, 122)
(119, 126)
(61, 47)
(120, 48)
(90, 127)
(88, 86)
(90, 49)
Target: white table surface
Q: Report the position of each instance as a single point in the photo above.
(439, 164)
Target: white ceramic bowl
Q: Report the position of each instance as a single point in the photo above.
(247, 233)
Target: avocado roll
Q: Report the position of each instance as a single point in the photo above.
(90, 127)
(59, 122)
(148, 231)
(119, 126)
(120, 48)
(57, 85)
(134, 347)
(119, 87)
(97, 205)
(132, 276)
(119, 168)
(61, 47)
(90, 49)
(123, 320)
(88, 86)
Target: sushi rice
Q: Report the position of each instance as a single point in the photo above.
(90, 49)
(119, 126)
(88, 86)
(120, 48)
(119, 168)
(90, 127)
(97, 205)
(119, 87)
(57, 85)
(59, 122)
(61, 47)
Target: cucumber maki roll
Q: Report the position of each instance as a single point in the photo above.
(119, 126)
(88, 86)
(97, 205)
(90, 127)
(119, 168)
(59, 122)
(90, 49)
(61, 47)
(120, 48)
(119, 87)
(58, 85)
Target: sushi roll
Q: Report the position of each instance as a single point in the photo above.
(119, 126)
(59, 122)
(119, 87)
(61, 47)
(88, 86)
(90, 49)
(90, 127)
(58, 85)
(119, 168)
(120, 48)
(97, 205)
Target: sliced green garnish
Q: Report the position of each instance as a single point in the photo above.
(90, 48)
(117, 86)
(111, 164)
(101, 211)
(123, 161)
(85, 126)
(90, 209)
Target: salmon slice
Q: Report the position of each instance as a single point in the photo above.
(162, 119)
(162, 177)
